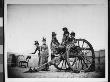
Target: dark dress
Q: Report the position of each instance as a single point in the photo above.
(54, 44)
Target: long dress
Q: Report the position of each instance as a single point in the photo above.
(35, 58)
(33, 62)
(44, 54)
(54, 44)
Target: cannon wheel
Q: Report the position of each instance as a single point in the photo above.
(62, 64)
(83, 58)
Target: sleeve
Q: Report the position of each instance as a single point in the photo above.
(63, 40)
(35, 50)
(47, 50)
(51, 46)
(39, 51)
(57, 42)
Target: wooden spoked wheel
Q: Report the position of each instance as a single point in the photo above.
(61, 64)
(81, 56)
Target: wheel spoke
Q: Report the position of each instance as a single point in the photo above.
(74, 62)
(87, 60)
(82, 44)
(65, 63)
(78, 65)
(82, 64)
(78, 43)
(62, 64)
(84, 61)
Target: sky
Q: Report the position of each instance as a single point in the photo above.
(27, 23)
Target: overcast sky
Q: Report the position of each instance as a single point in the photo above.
(27, 23)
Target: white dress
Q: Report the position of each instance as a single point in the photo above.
(33, 62)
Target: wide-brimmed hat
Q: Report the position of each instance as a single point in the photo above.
(53, 34)
(36, 42)
(72, 33)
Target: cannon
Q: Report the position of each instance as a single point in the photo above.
(78, 57)
(74, 56)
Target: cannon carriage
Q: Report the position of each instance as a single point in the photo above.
(78, 56)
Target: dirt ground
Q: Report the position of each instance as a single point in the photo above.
(18, 72)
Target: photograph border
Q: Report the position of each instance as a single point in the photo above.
(51, 79)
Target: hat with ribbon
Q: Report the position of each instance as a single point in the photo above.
(36, 42)
(65, 29)
(53, 34)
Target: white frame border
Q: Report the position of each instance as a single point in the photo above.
(105, 2)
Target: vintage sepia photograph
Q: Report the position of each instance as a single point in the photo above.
(56, 40)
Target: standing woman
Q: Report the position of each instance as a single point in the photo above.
(44, 55)
(37, 48)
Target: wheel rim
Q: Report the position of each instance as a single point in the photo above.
(84, 58)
